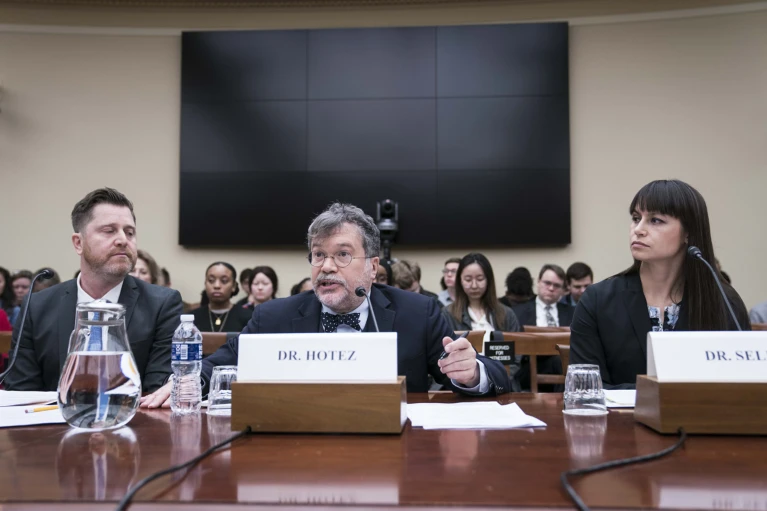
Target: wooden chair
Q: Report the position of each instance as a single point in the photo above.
(544, 329)
(759, 326)
(535, 345)
(211, 341)
(5, 341)
(475, 337)
(564, 354)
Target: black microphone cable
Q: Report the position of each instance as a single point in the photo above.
(614, 464)
(126, 500)
(45, 274)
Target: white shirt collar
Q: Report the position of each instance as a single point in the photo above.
(363, 311)
(113, 295)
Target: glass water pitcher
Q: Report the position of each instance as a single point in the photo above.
(100, 385)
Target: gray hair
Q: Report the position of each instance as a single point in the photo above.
(337, 214)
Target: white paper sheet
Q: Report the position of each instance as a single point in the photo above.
(620, 398)
(14, 416)
(20, 398)
(479, 415)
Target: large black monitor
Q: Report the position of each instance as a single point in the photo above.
(466, 128)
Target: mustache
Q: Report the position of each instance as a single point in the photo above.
(328, 278)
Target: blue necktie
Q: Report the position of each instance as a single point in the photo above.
(330, 321)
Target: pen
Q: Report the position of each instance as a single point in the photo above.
(42, 409)
(443, 355)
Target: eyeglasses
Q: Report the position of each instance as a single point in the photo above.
(341, 259)
(445, 271)
(548, 283)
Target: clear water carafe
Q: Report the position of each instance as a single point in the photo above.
(100, 385)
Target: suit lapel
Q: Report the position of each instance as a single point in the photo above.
(308, 318)
(636, 306)
(384, 314)
(66, 321)
(128, 297)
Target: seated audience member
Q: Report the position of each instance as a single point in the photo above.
(218, 314)
(758, 313)
(384, 274)
(5, 324)
(105, 239)
(545, 310)
(20, 282)
(519, 287)
(46, 283)
(664, 289)
(407, 276)
(304, 285)
(245, 277)
(344, 244)
(7, 297)
(263, 287)
(579, 277)
(163, 278)
(146, 268)
(447, 295)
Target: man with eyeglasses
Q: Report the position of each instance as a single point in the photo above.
(447, 295)
(545, 310)
(344, 244)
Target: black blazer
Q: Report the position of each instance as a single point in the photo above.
(417, 320)
(152, 315)
(526, 313)
(509, 323)
(610, 329)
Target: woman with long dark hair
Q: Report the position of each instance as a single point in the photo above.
(217, 313)
(476, 306)
(664, 289)
(263, 286)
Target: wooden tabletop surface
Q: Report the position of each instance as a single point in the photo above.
(55, 467)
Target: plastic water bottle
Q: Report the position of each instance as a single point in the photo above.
(186, 362)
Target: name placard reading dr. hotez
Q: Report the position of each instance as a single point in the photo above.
(722, 357)
(309, 358)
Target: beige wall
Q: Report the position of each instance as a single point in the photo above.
(682, 98)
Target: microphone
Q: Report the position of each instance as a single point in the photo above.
(360, 291)
(44, 274)
(695, 253)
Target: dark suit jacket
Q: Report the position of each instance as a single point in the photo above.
(151, 316)
(509, 323)
(417, 320)
(526, 313)
(610, 329)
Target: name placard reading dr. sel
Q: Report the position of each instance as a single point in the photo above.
(721, 357)
(310, 358)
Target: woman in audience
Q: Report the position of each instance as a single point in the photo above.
(384, 274)
(6, 291)
(219, 314)
(476, 306)
(665, 289)
(263, 287)
(304, 285)
(519, 287)
(20, 282)
(146, 268)
(245, 277)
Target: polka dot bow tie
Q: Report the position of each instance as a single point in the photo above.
(330, 321)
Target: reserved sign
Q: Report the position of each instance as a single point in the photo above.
(311, 358)
(503, 352)
(724, 357)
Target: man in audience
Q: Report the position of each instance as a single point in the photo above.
(105, 239)
(579, 277)
(407, 276)
(759, 313)
(447, 296)
(544, 309)
(344, 244)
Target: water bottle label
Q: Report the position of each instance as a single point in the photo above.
(181, 352)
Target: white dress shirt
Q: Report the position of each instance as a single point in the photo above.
(540, 312)
(364, 311)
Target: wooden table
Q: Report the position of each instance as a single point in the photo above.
(53, 467)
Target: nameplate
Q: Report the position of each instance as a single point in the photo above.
(503, 352)
(318, 358)
(710, 357)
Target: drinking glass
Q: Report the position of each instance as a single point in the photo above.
(220, 395)
(583, 390)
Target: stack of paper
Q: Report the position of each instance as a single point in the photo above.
(15, 404)
(479, 415)
(620, 398)
(19, 398)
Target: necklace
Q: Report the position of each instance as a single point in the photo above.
(220, 320)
